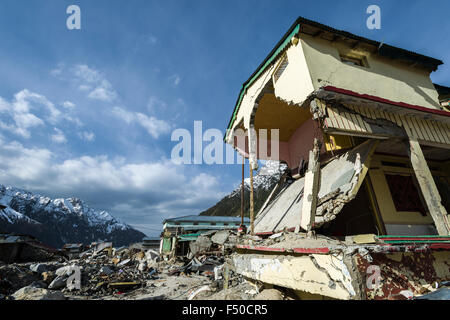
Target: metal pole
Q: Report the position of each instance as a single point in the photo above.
(252, 213)
(242, 192)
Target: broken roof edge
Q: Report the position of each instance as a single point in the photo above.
(443, 91)
(382, 100)
(271, 57)
(383, 49)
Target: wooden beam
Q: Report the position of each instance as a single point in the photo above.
(252, 208)
(272, 193)
(242, 192)
(311, 189)
(428, 187)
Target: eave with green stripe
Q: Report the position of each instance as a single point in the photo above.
(270, 59)
(301, 24)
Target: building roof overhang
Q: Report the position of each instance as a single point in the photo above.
(306, 26)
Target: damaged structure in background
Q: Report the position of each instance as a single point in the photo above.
(192, 235)
(366, 137)
(20, 247)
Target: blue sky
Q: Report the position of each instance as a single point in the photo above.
(89, 113)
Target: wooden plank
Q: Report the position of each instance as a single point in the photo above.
(433, 131)
(362, 112)
(311, 189)
(349, 120)
(439, 131)
(445, 132)
(333, 117)
(424, 129)
(252, 207)
(406, 126)
(365, 126)
(344, 121)
(446, 129)
(417, 128)
(428, 187)
(429, 131)
(411, 127)
(359, 120)
(356, 123)
(397, 120)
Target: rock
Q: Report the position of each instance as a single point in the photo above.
(269, 294)
(202, 243)
(276, 235)
(220, 237)
(39, 268)
(33, 293)
(58, 283)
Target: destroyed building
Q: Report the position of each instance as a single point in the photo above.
(444, 96)
(179, 232)
(366, 137)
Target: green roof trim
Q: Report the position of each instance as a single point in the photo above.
(273, 55)
(427, 236)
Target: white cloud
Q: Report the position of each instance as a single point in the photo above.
(87, 136)
(26, 111)
(59, 136)
(155, 127)
(87, 79)
(87, 74)
(146, 188)
(103, 92)
(68, 104)
(175, 79)
(155, 104)
(93, 81)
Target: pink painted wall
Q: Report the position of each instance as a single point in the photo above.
(301, 142)
(298, 146)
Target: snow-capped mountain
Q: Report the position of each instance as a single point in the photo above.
(59, 221)
(263, 183)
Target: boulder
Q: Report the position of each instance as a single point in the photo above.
(269, 294)
(33, 293)
(220, 237)
(59, 283)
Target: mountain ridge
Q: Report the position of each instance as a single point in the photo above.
(263, 183)
(60, 220)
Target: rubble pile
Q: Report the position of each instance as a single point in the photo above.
(104, 272)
